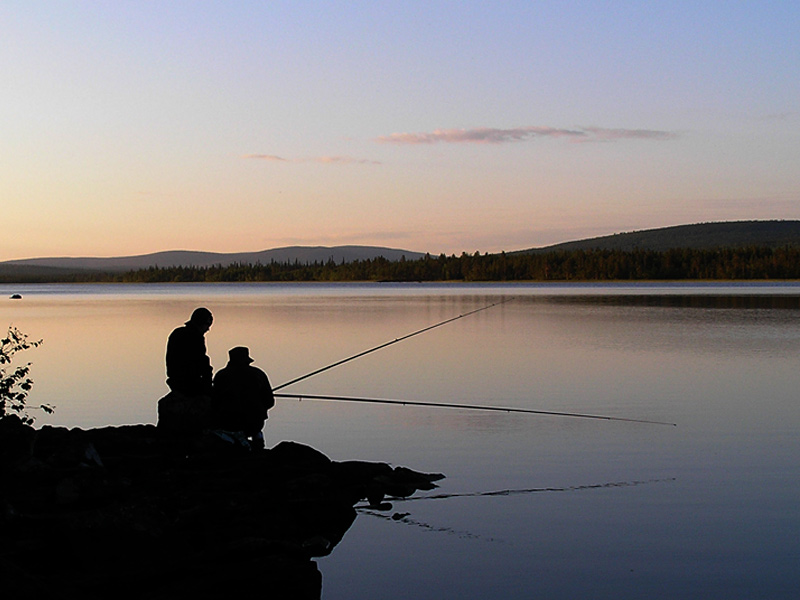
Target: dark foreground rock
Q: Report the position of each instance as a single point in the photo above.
(124, 512)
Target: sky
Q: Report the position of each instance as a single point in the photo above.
(442, 127)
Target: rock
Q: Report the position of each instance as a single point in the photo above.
(181, 414)
(16, 442)
(151, 515)
(300, 456)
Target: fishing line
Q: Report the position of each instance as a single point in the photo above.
(573, 488)
(406, 519)
(468, 407)
(379, 347)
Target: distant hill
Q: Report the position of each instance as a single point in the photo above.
(702, 236)
(185, 258)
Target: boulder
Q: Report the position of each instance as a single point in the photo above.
(134, 512)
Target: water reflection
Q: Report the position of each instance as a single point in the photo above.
(719, 360)
(708, 300)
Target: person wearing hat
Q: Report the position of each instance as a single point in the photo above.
(188, 366)
(242, 395)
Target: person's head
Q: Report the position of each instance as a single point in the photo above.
(201, 319)
(239, 355)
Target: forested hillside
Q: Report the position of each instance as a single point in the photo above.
(734, 234)
(578, 265)
(713, 251)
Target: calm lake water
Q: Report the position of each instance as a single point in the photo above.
(532, 506)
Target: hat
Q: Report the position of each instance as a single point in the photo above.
(240, 354)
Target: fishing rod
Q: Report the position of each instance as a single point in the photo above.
(468, 407)
(379, 347)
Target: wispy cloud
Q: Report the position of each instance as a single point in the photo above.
(489, 135)
(480, 135)
(266, 157)
(782, 116)
(348, 160)
(600, 134)
(327, 160)
(401, 239)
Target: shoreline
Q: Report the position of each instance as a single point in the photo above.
(127, 510)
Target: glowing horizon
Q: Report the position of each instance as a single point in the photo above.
(135, 128)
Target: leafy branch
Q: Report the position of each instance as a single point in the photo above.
(15, 382)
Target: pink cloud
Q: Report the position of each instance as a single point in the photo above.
(488, 135)
(267, 157)
(328, 160)
(343, 160)
(600, 134)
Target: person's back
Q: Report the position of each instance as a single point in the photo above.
(186, 410)
(188, 366)
(242, 395)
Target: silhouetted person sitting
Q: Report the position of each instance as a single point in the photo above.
(242, 397)
(188, 366)
(187, 408)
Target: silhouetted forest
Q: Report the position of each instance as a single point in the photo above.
(700, 236)
(578, 265)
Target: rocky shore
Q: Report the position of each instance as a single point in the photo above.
(127, 512)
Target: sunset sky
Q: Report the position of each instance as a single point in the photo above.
(135, 127)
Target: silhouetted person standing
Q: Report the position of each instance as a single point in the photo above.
(188, 366)
(242, 396)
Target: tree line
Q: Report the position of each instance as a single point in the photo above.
(576, 265)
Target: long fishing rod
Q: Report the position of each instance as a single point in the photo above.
(468, 407)
(379, 347)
